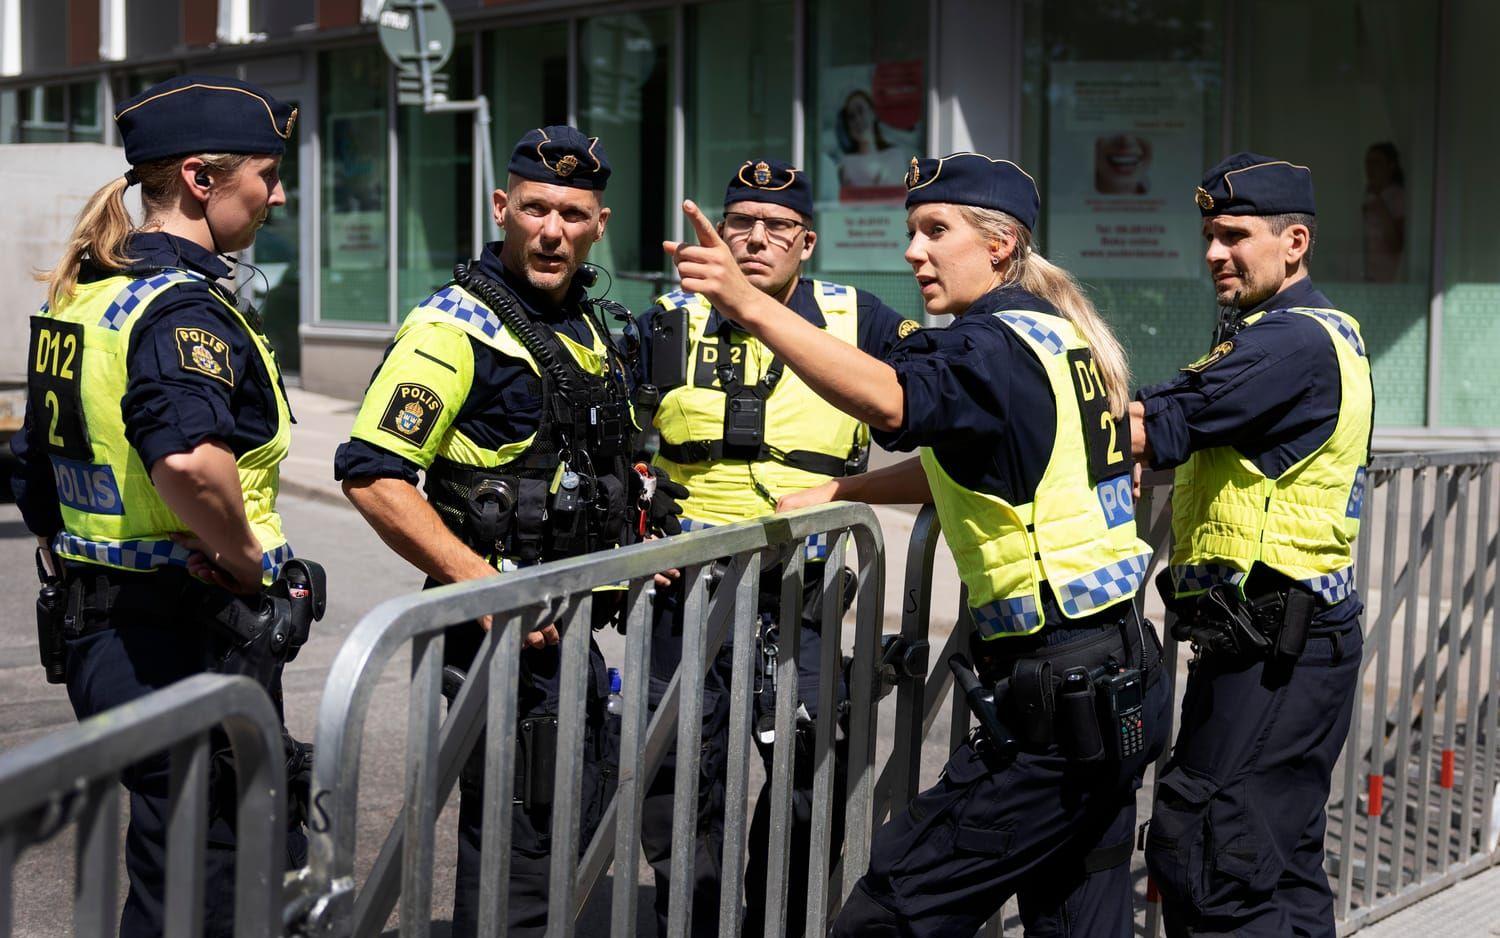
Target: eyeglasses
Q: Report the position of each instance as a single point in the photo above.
(739, 225)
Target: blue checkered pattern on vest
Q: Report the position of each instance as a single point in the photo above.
(1340, 325)
(1006, 616)
(816, 547)
(135, 293)
(451, 300)
(1103, 586)
(832, 289)
(1333, 587)
(148, 555)
(1198, 577)
(1033, 327)
(676, 299)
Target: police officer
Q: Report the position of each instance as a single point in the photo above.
(155, 424)
(1271, 434)
(739, 431)
(1018, 409)
(505, 387)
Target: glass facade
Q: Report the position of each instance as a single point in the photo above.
(1117, 109)
(354, 89)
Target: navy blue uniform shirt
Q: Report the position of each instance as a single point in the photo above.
(504, 403)
(877, 330)
(1274, 398)
(166, 408)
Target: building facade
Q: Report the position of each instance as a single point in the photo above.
(1116, 108)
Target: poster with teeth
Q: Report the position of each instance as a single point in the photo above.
(1125, 150)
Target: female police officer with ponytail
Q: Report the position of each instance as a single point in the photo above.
(155, 423)
(1016, 408)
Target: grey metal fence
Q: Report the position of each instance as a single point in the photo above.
(72, 776)
(562, 593)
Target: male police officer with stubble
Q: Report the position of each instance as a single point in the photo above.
(1270, 435)
(506, 389)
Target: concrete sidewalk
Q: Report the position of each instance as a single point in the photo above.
(323, 423)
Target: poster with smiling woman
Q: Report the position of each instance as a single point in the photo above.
(1125, 142)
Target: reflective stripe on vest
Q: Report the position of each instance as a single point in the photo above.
(1227, 516)
(1077, 537)
(456, 306)
(112, 514)
(148, 555)
(796, 419)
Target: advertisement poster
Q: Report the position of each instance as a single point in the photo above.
(356, 222)
(1125, 152)
(869, 126)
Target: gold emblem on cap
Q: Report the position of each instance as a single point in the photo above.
(291, 122)
(762, 173)
(566, 165)
(914, 174)
(1204, 200)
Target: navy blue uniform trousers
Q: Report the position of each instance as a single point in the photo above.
(990, 829)
(656, 817)
(531, 830)
(1236, 841)
(112, 667)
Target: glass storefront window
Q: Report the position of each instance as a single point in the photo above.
(625, 99)
(526, 79)
(435, 194)
(1121, 115)
(739, 93)
(355, 262)
(83, 113)
(1469, 382)
(866, 111)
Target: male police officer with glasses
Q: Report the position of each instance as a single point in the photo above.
(740, 431)
(1270, 434)
(505, 387)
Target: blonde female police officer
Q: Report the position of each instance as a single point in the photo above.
(1017, 409)
(796, 440)
(1270, 432)
(155, 424)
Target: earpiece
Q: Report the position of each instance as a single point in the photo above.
(586, 275)
(202, 179)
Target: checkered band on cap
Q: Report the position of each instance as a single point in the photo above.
(816, 547)
(1006, 616)
(1340, 325)
(1036, 329)
(1103, 586)
(455, 303)
(149, 554)
(136, 292)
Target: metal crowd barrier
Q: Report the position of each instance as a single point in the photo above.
(73, 775)
(561, 593)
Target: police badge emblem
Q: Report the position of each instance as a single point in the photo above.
(412, 413)
(409, 420)
(1204, 200)
(762, 174)
(913, 174)
(204, 359)
(566, 166)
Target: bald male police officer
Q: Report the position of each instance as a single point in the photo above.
(740, 431)
(1270, 434)
(505, 388)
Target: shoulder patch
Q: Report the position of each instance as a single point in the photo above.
(1216, 355)
(411, 413)
(201, 351)
(907, 327)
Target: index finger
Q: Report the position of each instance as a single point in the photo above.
(707, 235)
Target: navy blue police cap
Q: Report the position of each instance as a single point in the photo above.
(203, 114)
(1253, 184)
(974, 179)
(562, 156)
(771, 181)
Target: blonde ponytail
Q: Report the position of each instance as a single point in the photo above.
(1032, 272)
(99, 234)
(104, 226)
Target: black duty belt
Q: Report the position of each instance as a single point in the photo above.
(701, 451)
(96, 595)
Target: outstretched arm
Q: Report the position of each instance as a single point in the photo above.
(905, 483)
(859, 385)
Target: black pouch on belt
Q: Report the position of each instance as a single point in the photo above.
(1077, 719)
(1296, 619)
(538, 763)
(1031, 700)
